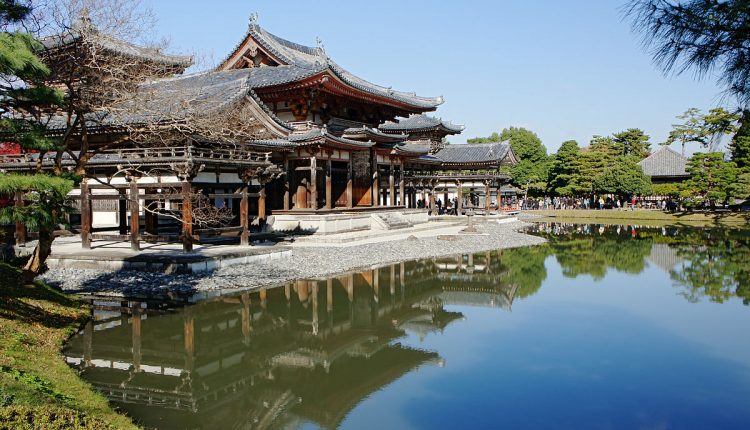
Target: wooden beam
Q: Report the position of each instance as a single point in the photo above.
(329, 185)
(350, 183)
(391, 185)
(122, 212)
(375, 179)
(287, 181)
(134, 216)
(401, 183)
(487, 198)
(314, 183)
(187, 218)
(262, 205)
(85, 215)
(244, 217)
(460, 195)
(150, 217)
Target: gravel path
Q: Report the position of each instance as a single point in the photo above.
(305, 262)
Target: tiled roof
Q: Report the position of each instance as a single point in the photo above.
(474, 153)
(314, 60)
(413, 148)
(420, 123)
(375, 133)
(117, 46)
(180, 97)
(664, 163)
(318, 135)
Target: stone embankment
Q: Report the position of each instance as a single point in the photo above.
(303, 263)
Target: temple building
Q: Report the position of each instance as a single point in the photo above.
(277, 137)
(665, 166)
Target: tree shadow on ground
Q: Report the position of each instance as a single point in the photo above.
(33, 303)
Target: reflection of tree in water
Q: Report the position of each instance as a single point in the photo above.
(524, 267)
(592, 250)
(715, 262)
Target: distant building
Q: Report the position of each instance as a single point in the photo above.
(665, 166)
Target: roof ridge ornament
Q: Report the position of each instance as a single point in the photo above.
(321, 47)
(253, 20)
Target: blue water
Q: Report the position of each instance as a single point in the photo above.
(614, 340)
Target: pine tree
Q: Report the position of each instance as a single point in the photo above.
(23, 99)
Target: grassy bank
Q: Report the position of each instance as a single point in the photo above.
(37, 389)
(643, 217)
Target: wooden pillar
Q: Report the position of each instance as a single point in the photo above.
(88, 342)
(401, 183)
(315, 320)
(287, 181)
(262, 203)
(187, 217)
(85, 215)
(460, 195)
(135, 226)
(391, 185)
(350, 183)
(487, 197)
(244, 216)
(245, 317)
(122, 212)
(20, 227)
(329, 295)
(375, 180)
(314, 183)
(149, 216)
(433, 208)
(136, 318)
(329, 184)
(188, 334)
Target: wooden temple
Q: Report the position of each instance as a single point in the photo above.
(298, 137)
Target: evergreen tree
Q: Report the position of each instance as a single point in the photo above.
(707, 36)
(740, 147)
(563, 172)
(625, 178)
(704, 129)
(712, 179)
(632, 141)
(23, 99)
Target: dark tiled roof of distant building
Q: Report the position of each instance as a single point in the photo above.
(417, 122)
(665, 163)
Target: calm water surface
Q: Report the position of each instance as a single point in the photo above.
(604, 327)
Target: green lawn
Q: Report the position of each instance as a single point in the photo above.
(643, 217)
(37, 389)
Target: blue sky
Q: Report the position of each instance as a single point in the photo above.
(566, 70)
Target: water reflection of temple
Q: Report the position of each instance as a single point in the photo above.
(305, 352)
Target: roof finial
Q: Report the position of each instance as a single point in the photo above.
(321, 46)
(253, 19)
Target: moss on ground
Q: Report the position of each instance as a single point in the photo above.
(37, 389)
(643, 217)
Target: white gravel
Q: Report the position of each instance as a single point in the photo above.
(305, 262)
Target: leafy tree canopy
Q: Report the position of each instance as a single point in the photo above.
(705, 129)
(707, 36)
(632, 141)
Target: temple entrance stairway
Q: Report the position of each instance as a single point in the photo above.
(390, 221)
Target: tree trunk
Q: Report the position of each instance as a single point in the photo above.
(37, 263)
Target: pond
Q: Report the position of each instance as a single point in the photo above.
(603, 327)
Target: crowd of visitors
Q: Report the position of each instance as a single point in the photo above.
(598, 202)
